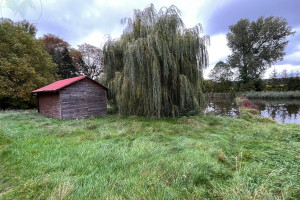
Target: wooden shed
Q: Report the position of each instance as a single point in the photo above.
(76, 97)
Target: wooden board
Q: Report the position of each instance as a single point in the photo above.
(49, 105)
(82, 99)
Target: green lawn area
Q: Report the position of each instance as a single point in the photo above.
(113, 157)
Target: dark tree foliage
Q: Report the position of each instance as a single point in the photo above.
(59, 50)
(155, 68)
(66, 69)
(210, 86)
(76, 57)
(256, 45)
(84, 68)
(293, 83)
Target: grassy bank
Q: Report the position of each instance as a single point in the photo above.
(273, 95)
(116, 157)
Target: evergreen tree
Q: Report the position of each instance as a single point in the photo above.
(83, 67)
(155, 68)
(66, 68)
(274, 80)
(59, 50)
(274, 74)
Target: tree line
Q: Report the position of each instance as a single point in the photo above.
(280, 84)
(27, 62)
(154, 69)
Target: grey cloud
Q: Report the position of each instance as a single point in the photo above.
(292, 48)
(231, 12)
(73, 20)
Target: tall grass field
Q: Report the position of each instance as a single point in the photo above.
(114, 157)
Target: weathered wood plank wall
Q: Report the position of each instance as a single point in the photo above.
(82, 99)
(49, 105)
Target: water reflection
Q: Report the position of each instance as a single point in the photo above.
(286, 111)
(221, 107)
(283, 110)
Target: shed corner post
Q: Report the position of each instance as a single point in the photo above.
(60, 105)
(38, 103)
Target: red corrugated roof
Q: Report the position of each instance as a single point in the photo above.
(59, 84)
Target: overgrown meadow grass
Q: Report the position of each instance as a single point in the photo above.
(113, 157)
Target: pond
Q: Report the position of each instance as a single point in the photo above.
(282, 110)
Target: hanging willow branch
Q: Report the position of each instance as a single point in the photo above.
(155, 68)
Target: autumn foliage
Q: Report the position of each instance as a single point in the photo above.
(243, 102)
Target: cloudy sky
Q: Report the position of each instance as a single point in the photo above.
(90, 21)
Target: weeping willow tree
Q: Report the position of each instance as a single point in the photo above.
(155, 68)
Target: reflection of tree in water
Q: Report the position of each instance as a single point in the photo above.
(221, 107)
(282, 110)
(293, 110)
(275, 110)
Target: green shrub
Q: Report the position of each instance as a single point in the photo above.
(272, 95)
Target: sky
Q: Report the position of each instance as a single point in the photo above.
(90, 21)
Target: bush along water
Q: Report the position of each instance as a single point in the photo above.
(272, 95)
(249, 111)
